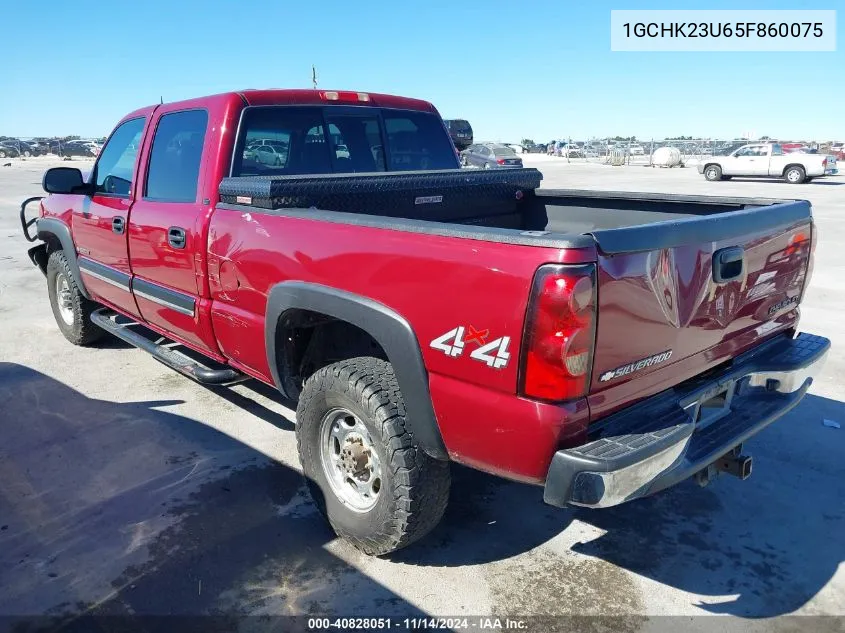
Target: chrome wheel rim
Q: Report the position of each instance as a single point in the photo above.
(64, 299)
(350, 462)
(711, 174)
(792, 175)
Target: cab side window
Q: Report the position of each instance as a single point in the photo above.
(116, 163)
(176, 156)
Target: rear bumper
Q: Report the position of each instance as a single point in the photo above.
(669, 437)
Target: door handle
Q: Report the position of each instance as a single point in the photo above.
(728, 264)
(176, 237)
(118, 225)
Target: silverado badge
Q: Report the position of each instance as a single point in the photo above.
(630, 368)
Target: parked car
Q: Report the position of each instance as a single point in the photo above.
(37, 148)
(23, 148)
(490, 156)
(78, 148)
(9, 149)
(767, 160)
(450, 315)
(460, 131)
(636, 150)
(273, 154)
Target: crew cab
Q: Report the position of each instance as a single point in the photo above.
(604, 346)
(767, 160)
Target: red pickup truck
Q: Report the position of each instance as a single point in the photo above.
(602, 345)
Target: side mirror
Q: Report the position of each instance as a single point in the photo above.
(64, 180)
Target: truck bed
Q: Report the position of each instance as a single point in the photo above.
(507, 205)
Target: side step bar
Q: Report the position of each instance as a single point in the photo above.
(121, 327)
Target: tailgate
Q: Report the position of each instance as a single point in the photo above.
(675, 298)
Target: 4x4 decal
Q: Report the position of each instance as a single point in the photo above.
(494, 354)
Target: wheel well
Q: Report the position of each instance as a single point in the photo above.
(783, 173)
(706, 165)
(52, 242)
(307, 341)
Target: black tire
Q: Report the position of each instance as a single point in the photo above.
(414, 487)
(81, 330)
(794, 175)
(712, 173)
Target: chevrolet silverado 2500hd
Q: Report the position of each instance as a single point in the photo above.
(602, 345)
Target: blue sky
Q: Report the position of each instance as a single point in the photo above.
(539, 69)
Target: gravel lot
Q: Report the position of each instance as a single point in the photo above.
(126, 488)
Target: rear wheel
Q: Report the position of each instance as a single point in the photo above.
(794, 175)
(713, 172)
(376, 487)
(70, 308)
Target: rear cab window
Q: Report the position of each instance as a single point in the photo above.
(294, 140)
(176, 156)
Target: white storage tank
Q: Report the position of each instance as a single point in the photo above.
(666, 157)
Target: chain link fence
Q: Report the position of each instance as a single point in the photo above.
(641, 152)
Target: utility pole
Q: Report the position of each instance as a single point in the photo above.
(314, 76)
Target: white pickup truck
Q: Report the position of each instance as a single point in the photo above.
(767, 160)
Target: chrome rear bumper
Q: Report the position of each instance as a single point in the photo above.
(675, 434)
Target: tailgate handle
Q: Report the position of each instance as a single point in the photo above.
(728, 264)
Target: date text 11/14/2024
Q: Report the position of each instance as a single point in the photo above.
(414, 624)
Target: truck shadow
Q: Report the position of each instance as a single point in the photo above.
(773, 541)
(814, 183)
(754, 549)
(115, 509)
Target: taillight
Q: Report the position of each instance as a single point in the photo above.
(501, 161)
(560, 329)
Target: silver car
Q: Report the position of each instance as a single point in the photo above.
(490, 156)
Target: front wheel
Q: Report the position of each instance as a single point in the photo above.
(794, 175)
(713, 173)
(70, 308)
(376, 487)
